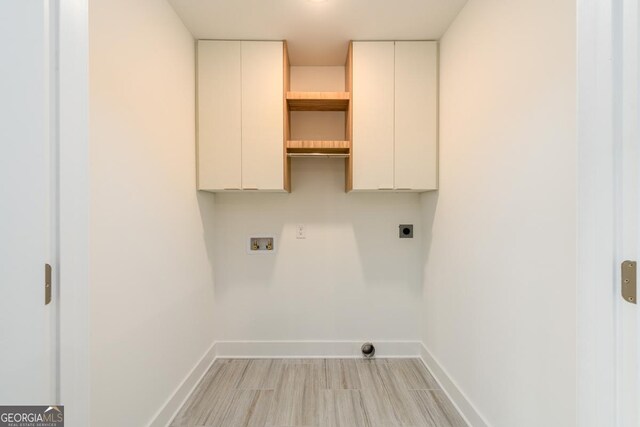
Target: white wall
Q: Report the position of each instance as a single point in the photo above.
(151, 279)
(352, 278)
(500, 235)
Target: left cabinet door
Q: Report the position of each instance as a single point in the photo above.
(219, 115)
(262, 116)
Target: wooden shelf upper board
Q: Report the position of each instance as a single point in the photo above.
(318, 101)
(324, 147)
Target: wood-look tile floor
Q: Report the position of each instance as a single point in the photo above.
(318, 393)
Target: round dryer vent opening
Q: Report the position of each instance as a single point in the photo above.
(368, 350)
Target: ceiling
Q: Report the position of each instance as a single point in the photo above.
(318, 32)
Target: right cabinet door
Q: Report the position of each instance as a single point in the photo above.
(416, 104)
(262, 115)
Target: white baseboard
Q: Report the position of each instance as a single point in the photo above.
(461, 402)
(171, 407)
(311, 349)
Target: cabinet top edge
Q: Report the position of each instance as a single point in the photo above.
(241, 40)
(396, 41)
(350, 41)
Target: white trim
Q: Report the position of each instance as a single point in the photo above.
(312, 349)
(170, 409)
(596, 290)
(73, 128)
(54, 199)
(464, 406)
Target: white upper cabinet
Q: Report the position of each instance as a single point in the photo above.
(240, 115)
(262, 116)
(395, 115)
(219, 115)
(373, 98)
(416, 112)
(391, 116)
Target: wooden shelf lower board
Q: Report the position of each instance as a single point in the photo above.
(318, 101)
(319, 147)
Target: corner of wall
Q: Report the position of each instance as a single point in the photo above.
(170, 409)
(462, 403)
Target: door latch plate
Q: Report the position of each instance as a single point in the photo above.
(629, 281)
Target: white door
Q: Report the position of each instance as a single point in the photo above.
(628, 231)
(26, 324)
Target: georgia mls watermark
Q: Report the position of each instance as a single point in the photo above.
(31, 416)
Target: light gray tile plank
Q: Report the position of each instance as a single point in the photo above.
(369, 375)
(261, 374)
(405, 408)
(281, 411)
(210, 401)
(297, 396)
(375, 399)
(310, 361)
(248, 408)
(374, 361)
(378, 409)
(413, 374)
(438, 407)
(182, 418)
(342, 408)
(210, 412)
(342, 374)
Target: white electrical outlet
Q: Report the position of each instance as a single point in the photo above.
(301, 233)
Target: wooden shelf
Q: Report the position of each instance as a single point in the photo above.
(318, 101)
(324, 147)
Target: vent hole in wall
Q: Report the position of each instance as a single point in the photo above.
(368, 350)
(406, 231)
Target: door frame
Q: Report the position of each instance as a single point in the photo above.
(598, 32)
(600, 132)
(70, 30)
